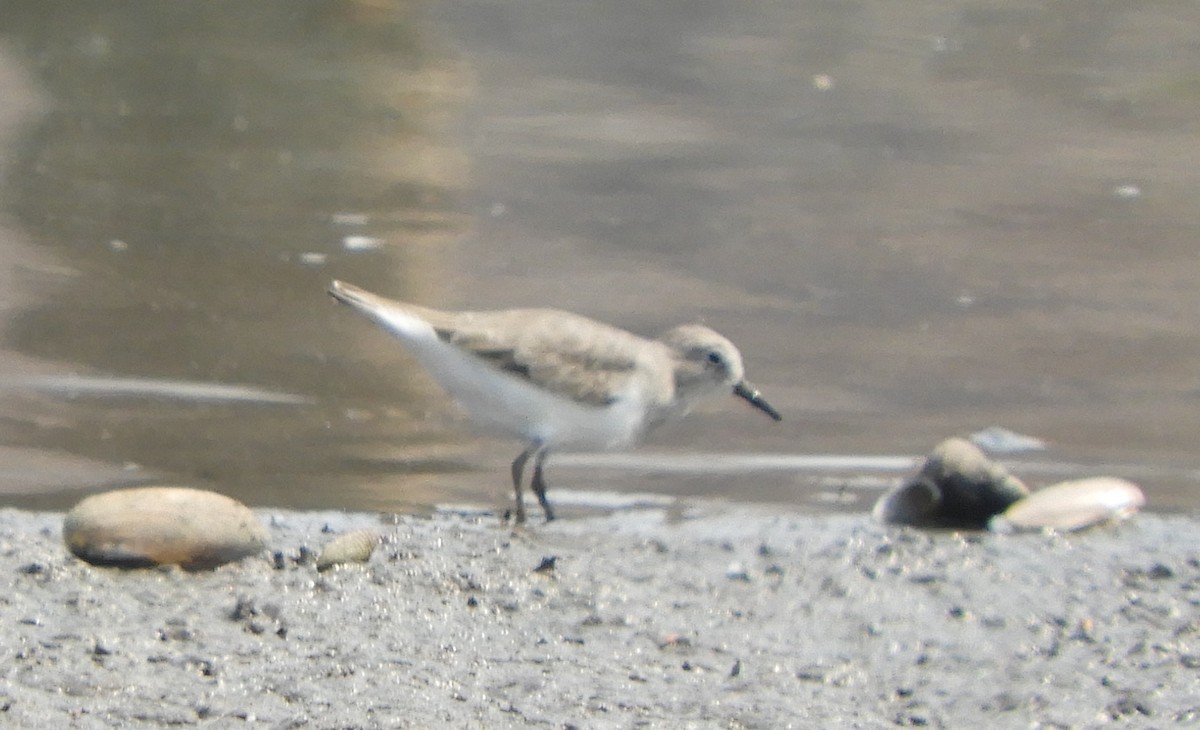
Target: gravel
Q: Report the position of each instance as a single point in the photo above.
(714, 616)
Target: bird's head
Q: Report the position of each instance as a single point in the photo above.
(706, 361)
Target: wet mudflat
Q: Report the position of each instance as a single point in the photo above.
(709, 616)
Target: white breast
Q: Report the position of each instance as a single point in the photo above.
(505, 403)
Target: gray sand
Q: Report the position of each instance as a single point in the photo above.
(721, 617)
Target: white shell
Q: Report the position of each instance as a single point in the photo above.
(352, 547)
(1073, 505)
(146, 526)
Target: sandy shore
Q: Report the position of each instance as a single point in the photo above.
(720, 617)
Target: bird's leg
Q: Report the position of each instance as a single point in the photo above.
(518, 473)
(539, 483)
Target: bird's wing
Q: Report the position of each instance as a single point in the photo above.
(573, 356)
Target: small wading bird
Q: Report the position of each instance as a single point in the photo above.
(556, 379)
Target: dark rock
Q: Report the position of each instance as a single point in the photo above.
(957, 486)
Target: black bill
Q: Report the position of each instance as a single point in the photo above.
(751, 395)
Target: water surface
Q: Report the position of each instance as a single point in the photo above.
(915, 220)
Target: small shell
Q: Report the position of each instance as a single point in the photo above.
(1073, 505)
(352, 547)
(957, 486)
(147, 526)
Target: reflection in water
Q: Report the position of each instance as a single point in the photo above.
(75, 385)
(1081, 54)
(916, 219)
(202, 170)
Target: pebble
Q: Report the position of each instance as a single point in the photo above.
(147, 526)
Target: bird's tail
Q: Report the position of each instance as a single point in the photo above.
(407, 321)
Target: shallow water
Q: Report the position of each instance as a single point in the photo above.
(915, 221)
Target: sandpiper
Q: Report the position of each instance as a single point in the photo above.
(556, 379)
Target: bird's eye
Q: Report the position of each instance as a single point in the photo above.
(715, 358)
